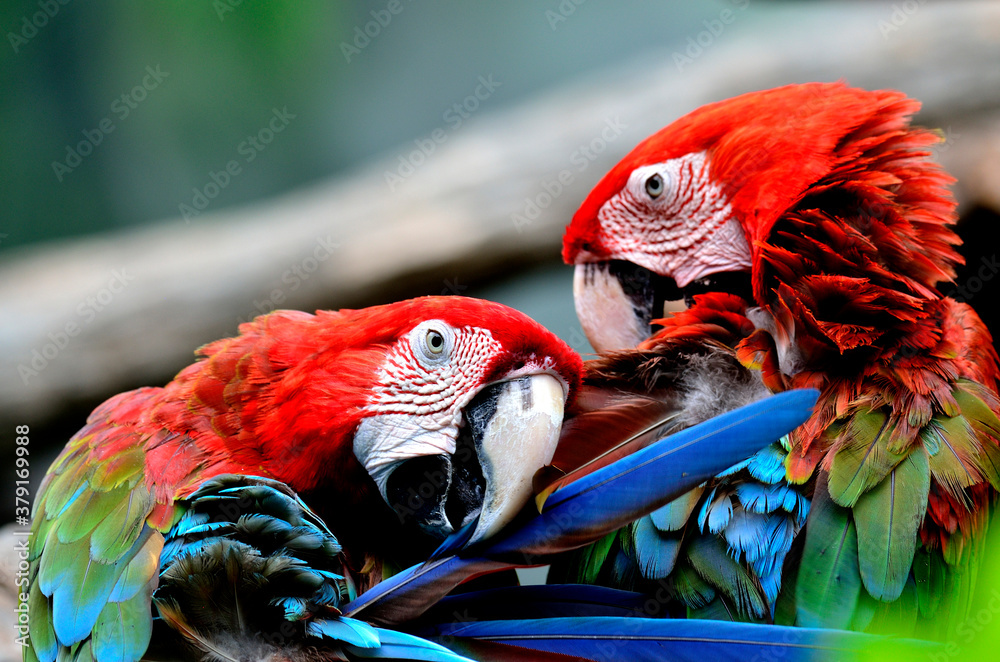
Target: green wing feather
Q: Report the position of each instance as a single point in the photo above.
(909, 588)
(711, 560)
(94, 558)
(591, 560)
(888, 517)
(829, 582)
(929, 576)
(691, 588)
(898, 617)
(864, 460)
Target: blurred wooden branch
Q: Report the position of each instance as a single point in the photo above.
(107, 313)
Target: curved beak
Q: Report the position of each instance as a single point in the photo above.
(616, 301)
(517, 440)
(480, 477)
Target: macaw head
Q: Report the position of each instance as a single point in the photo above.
(443, 408)
(720, 200)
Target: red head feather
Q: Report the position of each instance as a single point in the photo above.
(768, 150)
(284, 400)
(290, 390)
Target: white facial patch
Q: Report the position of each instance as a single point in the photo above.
(687, 231)
(436, 391)
(416, 407)
(382, 441)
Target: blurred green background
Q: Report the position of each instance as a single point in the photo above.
(227, 65)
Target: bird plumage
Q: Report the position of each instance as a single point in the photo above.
(285, 401)
(823, 198)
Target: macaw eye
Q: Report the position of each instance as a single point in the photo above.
(654, 186)
(434, 342)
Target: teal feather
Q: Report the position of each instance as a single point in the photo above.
(655, 551)
(401, 646)
(123, 629)
(691, 589)
(746, 532)
(768, 464)
(43, 635)
(735, 469)
(348, 630)
(674, 515)
(750, 506)
(137, 573)
(711, 560)
(717, 512)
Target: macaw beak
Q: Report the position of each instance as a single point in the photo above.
(508, 431)
(616, 301)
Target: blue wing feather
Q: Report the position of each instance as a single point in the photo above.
(352, 631)
(402, 646)
(642, 639)
(598, 503)
(537, 601)
(655, 551)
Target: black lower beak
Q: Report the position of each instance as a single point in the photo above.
(439, 493)
(617, 301)
(510, 431)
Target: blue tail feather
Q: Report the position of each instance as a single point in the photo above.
(642, 639)
(596, 504)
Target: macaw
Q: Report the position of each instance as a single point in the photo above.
(806, 228)
(276, 551)
(399, 424)
(608, 488)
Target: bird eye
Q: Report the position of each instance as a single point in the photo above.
(434, 341)
(654, 186)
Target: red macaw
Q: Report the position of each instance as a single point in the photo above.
(440, 408)
(807, 229)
